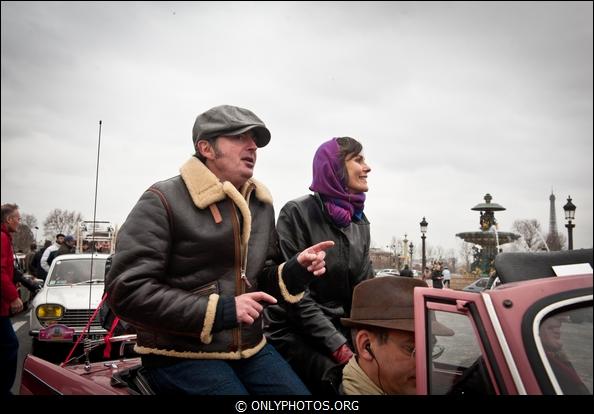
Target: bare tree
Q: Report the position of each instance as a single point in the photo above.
(466, 254)
(60, 221)
(529, 229)
(22, 239)
(452, 260)
(429, 253)
(29, 220)
(439, 252)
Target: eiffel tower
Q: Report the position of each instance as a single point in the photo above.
(552, 215)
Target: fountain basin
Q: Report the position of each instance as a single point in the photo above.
(487, 238)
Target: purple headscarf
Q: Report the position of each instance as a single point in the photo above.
(339, 203)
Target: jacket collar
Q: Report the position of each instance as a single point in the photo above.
(205, 188)
(5, 230)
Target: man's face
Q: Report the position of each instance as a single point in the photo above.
(60, 239)
(233, 158)
(396, 360)
(13, 221)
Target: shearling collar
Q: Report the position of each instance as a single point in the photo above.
(206, 189)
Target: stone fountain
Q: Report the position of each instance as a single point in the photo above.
(488, 240)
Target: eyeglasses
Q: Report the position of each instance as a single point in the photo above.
(410, 350)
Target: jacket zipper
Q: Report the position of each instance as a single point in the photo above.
(238, 284)
(245, 248)
(241, 253)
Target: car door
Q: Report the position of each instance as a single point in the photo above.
(467, 363)
(498, 344)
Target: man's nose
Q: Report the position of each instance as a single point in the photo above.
(251, 142)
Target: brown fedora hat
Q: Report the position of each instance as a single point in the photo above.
(387, 302)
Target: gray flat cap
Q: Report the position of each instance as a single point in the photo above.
(229, 120)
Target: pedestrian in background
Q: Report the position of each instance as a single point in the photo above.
(406, 272)
(10, 302)
(45, 263)
(447, 277)
(436, 276)
(29, 268)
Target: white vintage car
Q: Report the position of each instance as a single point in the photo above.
(61, 310)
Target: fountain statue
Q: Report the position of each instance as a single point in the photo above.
(488, 240)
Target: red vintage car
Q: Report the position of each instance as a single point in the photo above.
(532, 334)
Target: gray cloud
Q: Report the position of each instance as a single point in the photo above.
(451, 100)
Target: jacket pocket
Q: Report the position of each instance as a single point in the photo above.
(207, 289)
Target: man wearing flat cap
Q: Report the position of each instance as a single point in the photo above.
(193, 262)
(383, 331)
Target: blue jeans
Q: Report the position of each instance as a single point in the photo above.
(264, 373)
(9, 351)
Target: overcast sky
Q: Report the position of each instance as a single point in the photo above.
(450, 101)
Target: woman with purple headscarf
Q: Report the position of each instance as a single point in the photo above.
(309, 333)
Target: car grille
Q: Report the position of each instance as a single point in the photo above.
(78, 319)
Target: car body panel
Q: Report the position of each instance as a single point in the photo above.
(44, 378)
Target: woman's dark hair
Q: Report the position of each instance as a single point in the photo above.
(349, 147)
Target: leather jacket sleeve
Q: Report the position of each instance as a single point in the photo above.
(307, 313)
(136, 281)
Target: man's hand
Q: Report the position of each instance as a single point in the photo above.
(312, 258)
(247, 307)
(16, 306)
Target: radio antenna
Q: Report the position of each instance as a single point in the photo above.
(94, 214)
(86, 330)
(97, 179)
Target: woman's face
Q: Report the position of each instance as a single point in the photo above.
(357, 171)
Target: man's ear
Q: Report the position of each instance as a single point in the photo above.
(205, 148)
(363, 344)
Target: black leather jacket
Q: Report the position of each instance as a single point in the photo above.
(184, 247)
(302, 223)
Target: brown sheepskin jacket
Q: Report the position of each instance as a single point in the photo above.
(184, 246)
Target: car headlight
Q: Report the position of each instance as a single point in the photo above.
(49, 312)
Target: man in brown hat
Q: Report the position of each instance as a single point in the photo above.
(382, 322)
(193, 260)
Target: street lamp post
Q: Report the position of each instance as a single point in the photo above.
(410, 249)
(404, 250)
(424, 225)
(569, 216)
(392, 248)
(36, 228)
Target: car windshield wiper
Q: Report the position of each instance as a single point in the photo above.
(84, 282)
